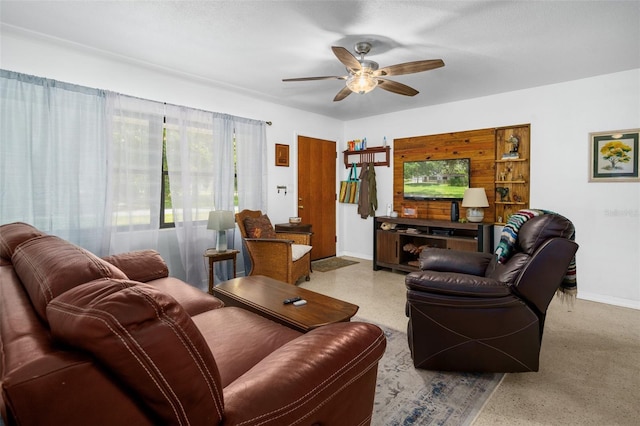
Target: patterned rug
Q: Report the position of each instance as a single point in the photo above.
(331, 263)
(408, 396)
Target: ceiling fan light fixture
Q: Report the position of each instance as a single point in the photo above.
(361, 82)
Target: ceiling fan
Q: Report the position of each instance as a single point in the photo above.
(364, 75)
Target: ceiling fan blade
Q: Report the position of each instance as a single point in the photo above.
(342, 94)
(346, 58)
(327, 77)
(395, 87)
(410, 67)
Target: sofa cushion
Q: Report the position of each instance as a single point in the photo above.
(148, 341)
(48, 266)
(14, 234)
(193, 300)
(259, 227)
(141, 265)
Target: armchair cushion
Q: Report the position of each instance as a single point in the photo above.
(299, 250)
(509, 272)
(259, 227)
(452, 283)
(437, 259)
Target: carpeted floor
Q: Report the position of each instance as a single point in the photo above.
(331, 263)
(408, 396)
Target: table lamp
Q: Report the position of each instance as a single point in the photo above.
(221, 220)
(474, 200)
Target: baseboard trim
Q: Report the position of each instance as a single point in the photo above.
(616, 301)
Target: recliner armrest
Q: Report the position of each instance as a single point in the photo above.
(464, 262)
(452, 283)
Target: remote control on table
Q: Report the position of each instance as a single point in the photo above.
(291, 300)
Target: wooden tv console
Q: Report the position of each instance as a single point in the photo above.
(389, 245)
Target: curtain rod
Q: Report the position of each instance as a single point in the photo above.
(79, 88)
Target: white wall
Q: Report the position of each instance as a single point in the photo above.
(50, 59)
(606, 215)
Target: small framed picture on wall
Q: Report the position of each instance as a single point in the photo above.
(282, 155)
(613, 156)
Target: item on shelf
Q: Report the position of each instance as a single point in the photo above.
(455, 211)
(504, 193)
(413, 249)
(295, 220)
(475, 199)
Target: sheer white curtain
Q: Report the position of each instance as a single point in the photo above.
(197, 148)
(135, 170)
(53, 146)
(251, 152)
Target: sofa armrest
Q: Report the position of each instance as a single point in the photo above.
(326, 376)
(464, 262)
(141, 265)
(452, 283)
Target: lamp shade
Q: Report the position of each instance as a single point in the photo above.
(220, 220)
(474, 199)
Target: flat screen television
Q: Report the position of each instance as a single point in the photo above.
(436, 180)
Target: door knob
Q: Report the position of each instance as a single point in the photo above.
(301, 207)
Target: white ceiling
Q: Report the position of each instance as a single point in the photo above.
(249, 46)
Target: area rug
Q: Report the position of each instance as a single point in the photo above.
(331, 263)
(409, 396)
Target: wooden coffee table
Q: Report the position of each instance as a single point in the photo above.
(264, 296)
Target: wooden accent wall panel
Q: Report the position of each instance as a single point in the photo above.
(478, 145)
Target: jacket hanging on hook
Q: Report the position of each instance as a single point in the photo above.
(368, 200)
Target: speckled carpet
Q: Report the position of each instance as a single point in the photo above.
(409, 396)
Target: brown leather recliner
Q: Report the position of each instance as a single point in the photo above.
(467, 312)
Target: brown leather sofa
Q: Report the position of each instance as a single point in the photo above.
(116, 341)
(469, 313)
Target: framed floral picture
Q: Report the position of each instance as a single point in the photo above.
(613, 156)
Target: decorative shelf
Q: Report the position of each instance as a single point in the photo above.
(506, 160)
(368, 156)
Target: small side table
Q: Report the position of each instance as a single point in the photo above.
(215, 256)
(293, 227)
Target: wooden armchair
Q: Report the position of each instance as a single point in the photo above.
(284, 256)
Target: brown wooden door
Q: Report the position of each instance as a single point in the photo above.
(317, 193)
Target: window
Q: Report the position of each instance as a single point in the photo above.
(135, 156)
(202, 140)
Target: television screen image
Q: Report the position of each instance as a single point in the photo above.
(436, 179)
